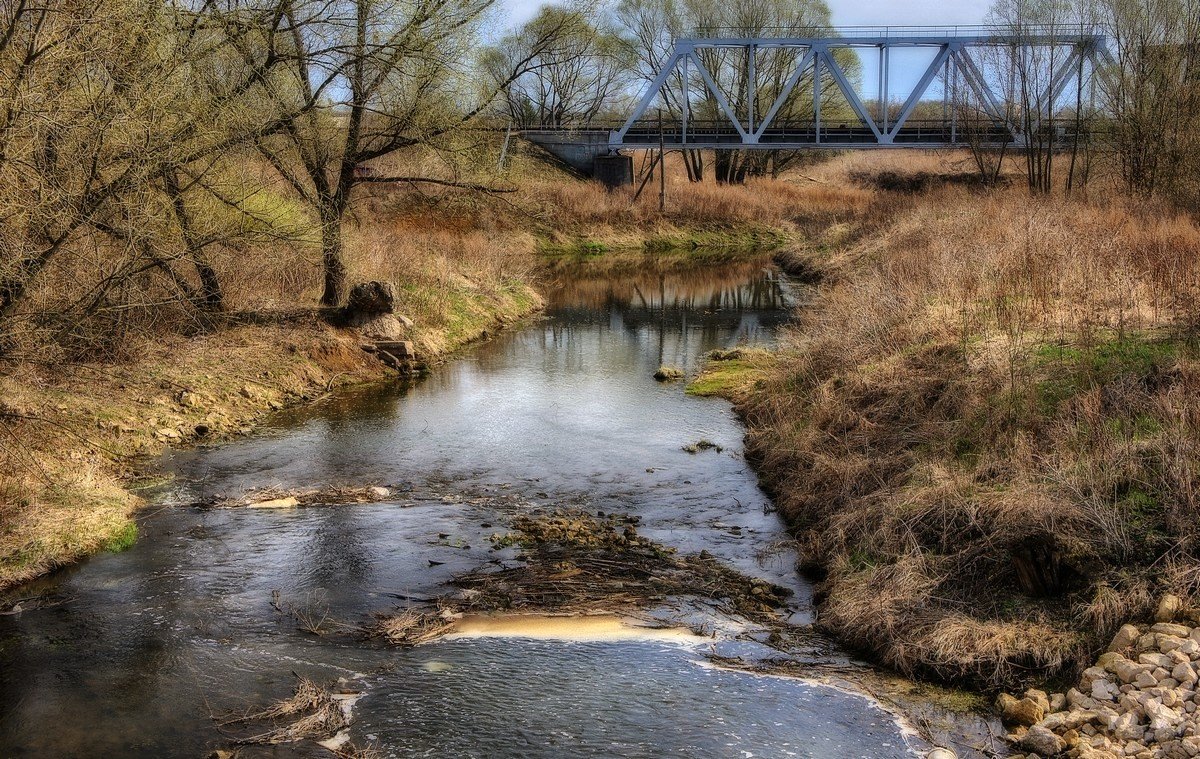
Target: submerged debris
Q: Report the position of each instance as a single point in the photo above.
(312, 712)
(412, 627)
(280, 498)
(575, 563)
(703, 445)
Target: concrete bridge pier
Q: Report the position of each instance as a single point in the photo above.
(588, 152)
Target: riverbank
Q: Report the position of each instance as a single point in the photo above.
(76, 436)
(984, 429)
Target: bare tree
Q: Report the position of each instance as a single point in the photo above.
(105, 100)
(385, 76)
(1154, 93)
(582, 74)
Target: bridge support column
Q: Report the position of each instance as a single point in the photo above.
(614, 170)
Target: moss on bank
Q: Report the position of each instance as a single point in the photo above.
(727, 374)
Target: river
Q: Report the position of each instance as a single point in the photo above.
(139, 651)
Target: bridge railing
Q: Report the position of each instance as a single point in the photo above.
(973, 32)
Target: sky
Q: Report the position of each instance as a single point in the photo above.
(906, 67)
(848, 12)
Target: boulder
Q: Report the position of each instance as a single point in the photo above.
(1124, 638)
(1023, 711)
(371, 309)
(1042, 742)
(1168, 608)
(371, 298)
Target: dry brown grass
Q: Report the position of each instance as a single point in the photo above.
(310, 713)
(986, 430)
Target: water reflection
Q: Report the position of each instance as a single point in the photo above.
(562, 411)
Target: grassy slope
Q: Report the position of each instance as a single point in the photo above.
(986, 431)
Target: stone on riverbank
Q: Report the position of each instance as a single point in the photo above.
(371, 309)
(1141, 700)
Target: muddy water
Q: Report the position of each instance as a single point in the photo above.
(143, 647)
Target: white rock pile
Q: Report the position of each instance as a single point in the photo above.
(1139, 700)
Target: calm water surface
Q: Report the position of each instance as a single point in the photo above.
(147, 645)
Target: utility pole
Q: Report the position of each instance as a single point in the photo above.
(662, 166)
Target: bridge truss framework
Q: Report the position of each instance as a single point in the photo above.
(955, 58)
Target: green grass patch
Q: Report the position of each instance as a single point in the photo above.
(1068, 370)
(728, 373)
(123, 539)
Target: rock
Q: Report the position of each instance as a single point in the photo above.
(941, 753)
(379, 327)
(1126, 670)
(1168, 608)
(1126, 727)
(1145, 680)
(371, 298)
(1072, 720)
(1185, 674)
(1042, 742)
(371, 309)
(1023, 712)
(398, 348)
(1103, 690)
(1161, 716)
(1040, 698)
(1080, 701)
(668, 373)
(379, 492)
(1156, 660)
(1057, 702)
(1169, 628)
(1124, 638)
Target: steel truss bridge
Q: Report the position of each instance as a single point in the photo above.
(960, 57)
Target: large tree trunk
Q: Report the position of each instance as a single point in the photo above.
(729, 167)
(331, 258)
